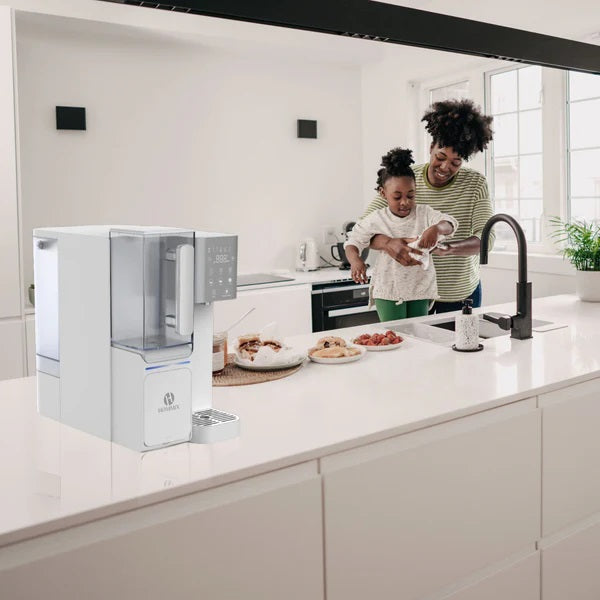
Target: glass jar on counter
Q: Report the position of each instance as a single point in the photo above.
(219, 351)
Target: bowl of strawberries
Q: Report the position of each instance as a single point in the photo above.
(376, 342)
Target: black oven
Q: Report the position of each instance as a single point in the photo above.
(341, 304)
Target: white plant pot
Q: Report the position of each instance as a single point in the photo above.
(587, 285)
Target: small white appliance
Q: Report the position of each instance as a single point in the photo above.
(307, 258)
(124, 326)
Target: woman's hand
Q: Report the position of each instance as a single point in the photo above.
(443, 250)
(429, 237)
(358, 270)
(398, 249)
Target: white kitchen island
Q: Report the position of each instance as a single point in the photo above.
(419, 473)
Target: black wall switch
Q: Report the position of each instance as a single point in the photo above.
(307, 129)
(70, 117)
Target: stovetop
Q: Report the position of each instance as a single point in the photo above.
(260, 278)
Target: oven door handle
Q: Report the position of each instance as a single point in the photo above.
(331, 290)
(340, 312)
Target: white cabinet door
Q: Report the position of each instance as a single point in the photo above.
(288, 306)
(10, 287)
(258, 539)
(408, 516)
(570, 567)
(520, 581)
(11, 349)
(571, 450)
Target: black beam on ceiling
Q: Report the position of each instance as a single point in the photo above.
(378, 21)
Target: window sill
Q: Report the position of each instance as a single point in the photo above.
(553, 264)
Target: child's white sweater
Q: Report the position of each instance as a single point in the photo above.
(390, 280)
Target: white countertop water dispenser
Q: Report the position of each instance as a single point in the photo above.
(124, 324)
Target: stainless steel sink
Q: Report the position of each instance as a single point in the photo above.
(486, 329)
(440, 330)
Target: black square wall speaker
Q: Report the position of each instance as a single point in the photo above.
(70, 117)
(307, 129)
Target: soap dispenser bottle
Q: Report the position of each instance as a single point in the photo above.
(466, 330)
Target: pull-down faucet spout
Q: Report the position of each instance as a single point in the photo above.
(519, 324)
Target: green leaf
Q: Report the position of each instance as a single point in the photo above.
(580, 241)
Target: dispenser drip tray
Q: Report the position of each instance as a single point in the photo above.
(212, 425)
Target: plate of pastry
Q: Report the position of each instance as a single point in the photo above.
(332, 350)
(258, 353)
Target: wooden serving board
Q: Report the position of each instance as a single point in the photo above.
(234, 375)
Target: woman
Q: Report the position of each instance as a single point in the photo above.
(459, 130)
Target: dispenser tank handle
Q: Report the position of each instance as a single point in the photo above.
(184, 292)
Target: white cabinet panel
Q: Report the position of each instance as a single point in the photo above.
(10, 287)
(249, 540)
(30, 367)
(409, 516)
(289, 306)
(570, 567)
(571, 450)
(11, 349)
(520, 581)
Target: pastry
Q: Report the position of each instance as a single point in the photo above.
(249, 337)
(332, 352)
(330, 341)
(274, 344)
(250, 344)
(352, 351)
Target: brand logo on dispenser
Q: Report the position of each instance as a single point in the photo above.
(168, 400)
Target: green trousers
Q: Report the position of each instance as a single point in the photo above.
(388, 310)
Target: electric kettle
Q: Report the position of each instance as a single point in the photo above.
(307, 257)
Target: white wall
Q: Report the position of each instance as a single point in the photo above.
(184, 134)
(10, 301)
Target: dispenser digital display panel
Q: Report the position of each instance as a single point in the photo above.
(219, 255)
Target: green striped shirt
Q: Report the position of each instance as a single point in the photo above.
(467, 199)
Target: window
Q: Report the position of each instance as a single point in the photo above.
(583, 145)
(451, 91)
(445, 92)
(516, 169)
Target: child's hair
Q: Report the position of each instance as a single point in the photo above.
(396, 163)
(460, 125)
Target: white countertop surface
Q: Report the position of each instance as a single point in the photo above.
(54, 476)
(322, 275)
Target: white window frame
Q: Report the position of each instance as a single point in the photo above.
(554, 153)
(476, 90)
(567, 105)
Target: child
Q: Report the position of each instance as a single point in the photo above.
(399, 292)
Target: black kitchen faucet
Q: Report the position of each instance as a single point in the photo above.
(519, 324)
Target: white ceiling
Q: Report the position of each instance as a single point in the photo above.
(575, 19)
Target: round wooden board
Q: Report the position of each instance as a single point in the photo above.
(234, 375)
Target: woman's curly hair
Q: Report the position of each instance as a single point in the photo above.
(459, 124)
(396, 163)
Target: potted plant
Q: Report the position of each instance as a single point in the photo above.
(581, 241)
